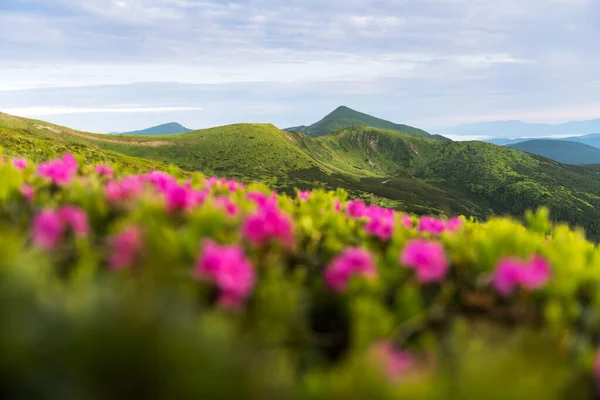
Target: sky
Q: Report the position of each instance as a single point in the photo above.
(117, 65)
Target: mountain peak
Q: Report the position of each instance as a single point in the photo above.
(345, 117)
(164, 129)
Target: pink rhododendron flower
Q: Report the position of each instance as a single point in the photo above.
(48, 229)
(407, 221)
(125, 247)
(304, 195)
(127, 188)
(432, 225)
(428, 259)
(76, 218)
(19, 163)
(337, 205)
(454, 224)
(60, 171)
(27, 191)
(352, 262)
(104, 170)
(512, 273)
(356, 209)
(268, 224)
(394, 362)
(49, 226)
(227, 205)
(160, 180)
(262, 200)
(179, 198)
(229, 269)
(380, 226)
(381, 222)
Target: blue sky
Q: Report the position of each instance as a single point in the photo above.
(110, 65)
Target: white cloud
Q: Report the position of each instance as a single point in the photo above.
(48, 110)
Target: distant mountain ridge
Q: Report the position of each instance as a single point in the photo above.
(345, 117)
(590, 140)
(563, 151)
(514, 129)
(164, 129)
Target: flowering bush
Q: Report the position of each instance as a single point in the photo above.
(148, 286)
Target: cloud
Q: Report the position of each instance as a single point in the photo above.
(48, 111)
(427, 61)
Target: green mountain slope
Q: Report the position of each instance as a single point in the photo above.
(564, 151)
(344, 117)
(40, 141)
(394, 169)
(164, 129)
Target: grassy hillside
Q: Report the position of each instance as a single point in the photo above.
(40, 141)
(564, 151)
(164, 129)
(344, 117)
(396, 170)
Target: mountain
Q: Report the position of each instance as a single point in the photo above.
(513, 129)
(399, 170)
(563, 151)
(164, 129)
(344, 117)
(590, 140)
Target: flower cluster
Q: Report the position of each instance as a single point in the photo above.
(352, 262)
(49, 226)
(229, 269)
(59, 171)
(513, 273)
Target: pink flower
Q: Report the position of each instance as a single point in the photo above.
(407, 221)
(262, 200)
(27, 191)
(428, 259)
(104, 170)
(352, 262)
(179, 198)
(381, 222)
(59, 171)
(454, 224)
(160, 180)
(512, 273)
(75, 218)
(337, 205)
(48, 229)
(304, 195)
(382, 227)
(49, 226)
(268, 224)
(125, 247)
(229, 269)
(127, 188)
(356, 209)
(394, 362)
(227, 205)
(432, 225)
(19, 163)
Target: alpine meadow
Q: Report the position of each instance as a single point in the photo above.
(436, 237)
